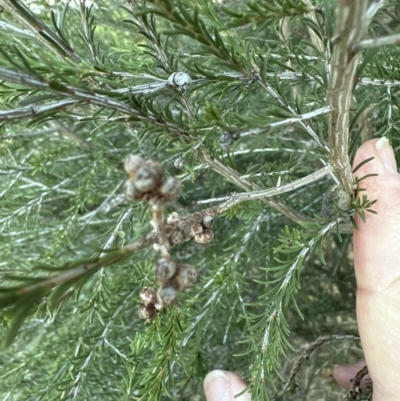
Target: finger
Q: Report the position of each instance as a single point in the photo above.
(344, 373)
(377, 268)
(220, 385)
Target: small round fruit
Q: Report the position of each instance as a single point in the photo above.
(132, 163)
(179, 80)
(226, 141)
(164, 269)
(194, 218)
(197, 229)
(183, 227)
(207, 221)
(170, 188)
(186, 275)
(131, 192)
(167, 295)
(176, 238)
(205, 237)
(148, 178)
(173, 217)
(146, 312)
(148, 295)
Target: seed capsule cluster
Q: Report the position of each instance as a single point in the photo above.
(172, 278)
(180, 229)
(148, 297)
(147, 181)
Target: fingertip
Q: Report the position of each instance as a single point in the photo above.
(383, 157)
(220, 385)
(343, 374)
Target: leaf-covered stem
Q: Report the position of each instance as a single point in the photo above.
(351, 27)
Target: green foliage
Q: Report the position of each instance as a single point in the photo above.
(83, 85)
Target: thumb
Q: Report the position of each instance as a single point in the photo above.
(377, 268)
(220, 385)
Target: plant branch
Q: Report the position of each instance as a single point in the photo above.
(290, 120)
(279, 99)
(234, 177)
(41, 31)
(351, 27)
(305, 355)
(34, 111)
(88, 97)
(379, 42)
(235, 199)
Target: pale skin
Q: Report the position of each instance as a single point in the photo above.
(377, 268)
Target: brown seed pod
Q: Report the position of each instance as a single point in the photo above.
(148, 177)
(164, 269)
(205, 237)
(194, 218)
(185, 276)
(175, 238)
(207, 221)
(131, 192)
(173, 217)
(148, 296)
(146, 312)
(132, 164)
(170, 188)
(167, 295)
(184, 227)
(197, 229)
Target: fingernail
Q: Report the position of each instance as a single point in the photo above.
(386, 154)
(216, 386)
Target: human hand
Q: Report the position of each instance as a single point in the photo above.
(377, 268)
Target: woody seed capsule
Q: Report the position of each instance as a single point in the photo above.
(146, 312)
(194, 218)
(175, 238)
(173, 217)
(197, 229)
(207, 221)
(147, 178)
(131, 192)
(205, 237)
(167, 295)
(164, 269)
(186, 275)
(132, 163)
(170, 188)
(184, 227)
(148, 295)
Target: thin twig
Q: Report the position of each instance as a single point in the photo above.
(34, 110)
(287, 121)
(305, 355)
(41, 31)
(268, 88)
(379, 42)
(235, 177)
(88, 97)
(235, 199)
(101, 341)
(355, 390)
